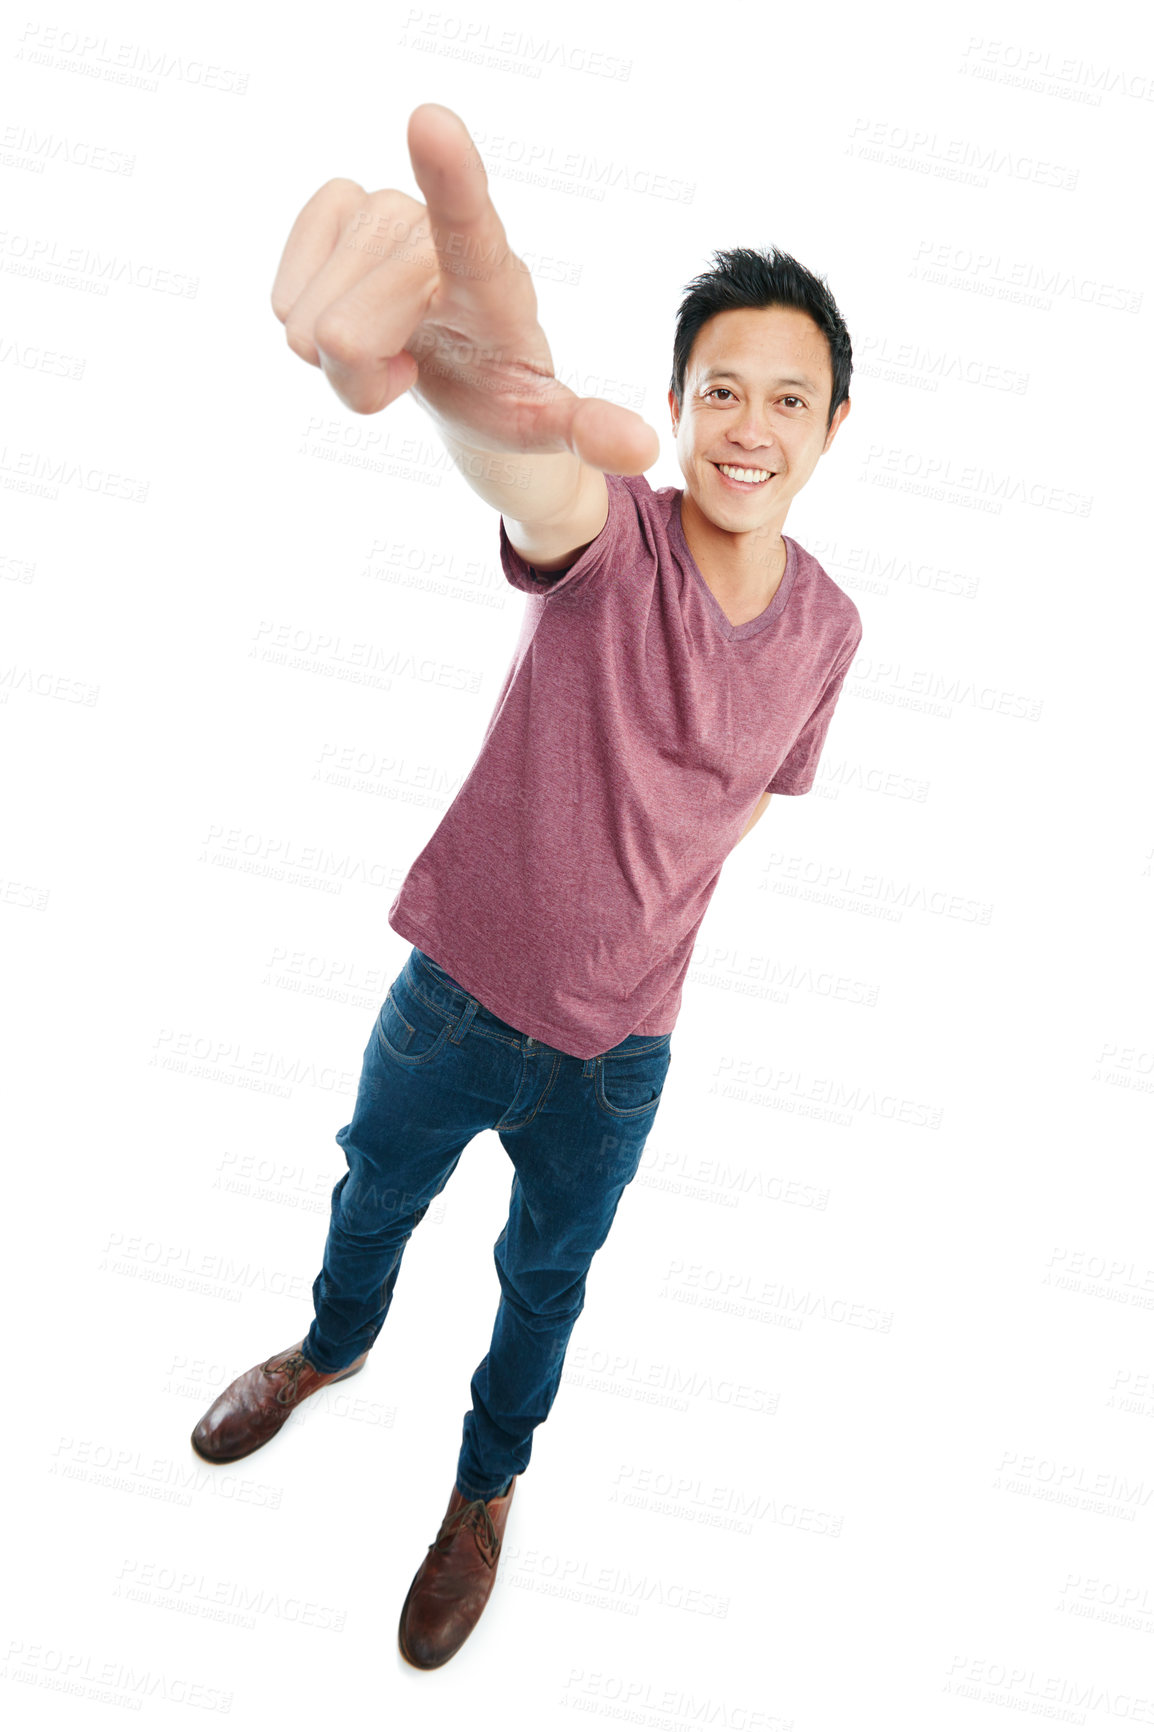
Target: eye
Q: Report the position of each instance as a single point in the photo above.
(716, 388)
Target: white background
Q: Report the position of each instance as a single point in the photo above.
(856, 1426)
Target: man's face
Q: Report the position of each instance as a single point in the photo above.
(758, 385)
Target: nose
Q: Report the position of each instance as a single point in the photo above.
(750, 430)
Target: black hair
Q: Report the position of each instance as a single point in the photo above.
(745, 277)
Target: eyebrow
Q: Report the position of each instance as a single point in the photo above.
(728, 373)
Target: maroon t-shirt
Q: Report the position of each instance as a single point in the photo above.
(634, 732)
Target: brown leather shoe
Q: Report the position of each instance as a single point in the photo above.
(450, 1590)
(256, 1404)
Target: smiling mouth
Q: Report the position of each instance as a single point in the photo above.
(739, 476)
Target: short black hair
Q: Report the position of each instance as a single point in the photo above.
(745, 277)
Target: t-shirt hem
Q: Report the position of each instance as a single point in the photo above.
(550, 1033)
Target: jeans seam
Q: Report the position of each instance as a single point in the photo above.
(411, 1060)
(541, 1099)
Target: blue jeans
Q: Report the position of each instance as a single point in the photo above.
(438, 1069)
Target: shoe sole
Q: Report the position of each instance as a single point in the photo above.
(241, 1454)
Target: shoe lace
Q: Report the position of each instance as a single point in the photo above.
(294, 1365)
(476, 1516)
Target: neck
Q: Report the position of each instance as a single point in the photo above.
(742, 563)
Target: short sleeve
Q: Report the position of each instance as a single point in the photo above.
(796, 773)
(619, 533)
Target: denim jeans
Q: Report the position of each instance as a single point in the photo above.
(439, 1068)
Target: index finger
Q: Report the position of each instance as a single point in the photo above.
(466, 229)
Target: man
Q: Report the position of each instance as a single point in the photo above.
(679, 662)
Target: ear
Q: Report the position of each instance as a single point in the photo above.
(672, 401)
(839, 416)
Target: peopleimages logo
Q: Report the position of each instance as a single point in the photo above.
(475, 39)
(532, 158)
(953, 266)
(963, 159)
(1068, 75)
(116, 62)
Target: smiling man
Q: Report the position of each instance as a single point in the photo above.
(753, 407)
(678, 662)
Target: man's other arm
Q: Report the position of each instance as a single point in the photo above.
(754, 816)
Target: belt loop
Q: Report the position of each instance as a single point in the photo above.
(465, 1022)
(590, 1067)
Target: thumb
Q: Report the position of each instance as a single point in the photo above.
(608, 436)
(403, 373)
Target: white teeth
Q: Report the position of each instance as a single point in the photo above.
(744, 474)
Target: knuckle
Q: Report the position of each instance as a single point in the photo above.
(341, 184)
(340, 337)
(390, 198)
(299, 339)
(394, 214)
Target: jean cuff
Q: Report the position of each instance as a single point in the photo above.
(485, 1496)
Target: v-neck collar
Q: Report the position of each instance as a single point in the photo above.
(751, 627)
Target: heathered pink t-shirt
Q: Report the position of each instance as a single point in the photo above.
(633, 734)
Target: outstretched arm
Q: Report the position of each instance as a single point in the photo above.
(387, 295)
